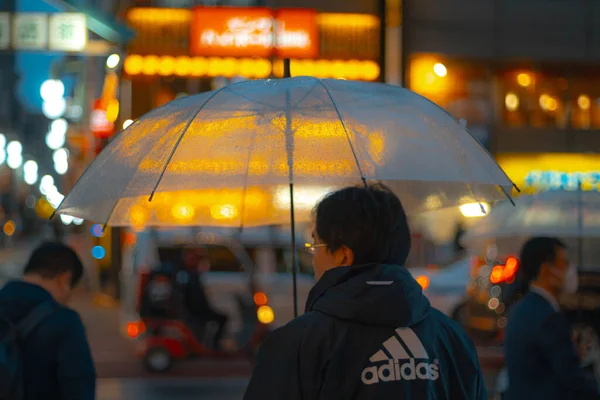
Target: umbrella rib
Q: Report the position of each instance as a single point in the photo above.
(305, 96)
(362, 176)
(180, 138)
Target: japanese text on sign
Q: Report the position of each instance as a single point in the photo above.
(30, 31)
(557, 180)
(4, 31)
(68, 32)
(258, 32)
(241, 32)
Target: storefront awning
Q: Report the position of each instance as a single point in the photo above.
(102, 25)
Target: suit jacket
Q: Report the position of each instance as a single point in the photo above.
(541, 358)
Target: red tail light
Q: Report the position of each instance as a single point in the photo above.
(496, 275)
(505, 273)
(510, 269)
(260, 299)
(423, 280)
(134, 329)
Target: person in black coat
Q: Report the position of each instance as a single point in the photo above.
(368, 331)
(541, 358)
(57, 363)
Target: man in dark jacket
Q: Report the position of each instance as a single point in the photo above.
(368, 331)
(57, 364)
(541, 358)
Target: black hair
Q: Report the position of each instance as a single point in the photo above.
(51, 259)
(368, 220)
(535, 252)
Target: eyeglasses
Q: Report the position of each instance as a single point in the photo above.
(311, 248)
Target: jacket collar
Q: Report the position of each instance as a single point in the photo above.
(544, 294)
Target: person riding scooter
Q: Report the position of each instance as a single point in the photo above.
(160, 298)
(199, 310)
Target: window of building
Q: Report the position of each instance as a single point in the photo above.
(563, 97)
(462, 88)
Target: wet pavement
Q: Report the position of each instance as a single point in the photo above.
(184, 388)
(171, 389)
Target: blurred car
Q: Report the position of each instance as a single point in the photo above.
(446, 287)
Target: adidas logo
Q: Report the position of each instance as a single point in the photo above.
(404, 350)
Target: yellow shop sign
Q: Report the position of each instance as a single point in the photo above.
(533, 172)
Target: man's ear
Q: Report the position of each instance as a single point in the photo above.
(347, 256)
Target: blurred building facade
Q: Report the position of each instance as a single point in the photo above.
(168, 57)
(523, 74)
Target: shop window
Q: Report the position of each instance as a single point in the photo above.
(461, 88)
(552, 97)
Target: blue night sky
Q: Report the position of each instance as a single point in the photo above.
(34, 67)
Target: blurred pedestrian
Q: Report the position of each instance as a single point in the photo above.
(368, 331)
(54, 355)
(459, 250)
(541, 358)
(201, 313)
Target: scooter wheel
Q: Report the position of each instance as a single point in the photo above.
(158, 359)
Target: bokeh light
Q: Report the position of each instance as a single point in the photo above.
(265, 315)
(9, 228)
(98, 252)
(97, 230)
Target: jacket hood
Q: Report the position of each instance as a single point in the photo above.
(373, 294)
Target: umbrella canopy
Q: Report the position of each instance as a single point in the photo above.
(567, 214)
(226, 157)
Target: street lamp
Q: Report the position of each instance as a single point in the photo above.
(61, 161)
(59, 126)
(54, 141)
(54, 108)
(57, 135)
(46, 183)
(113, 61)
(52, 89)
(14, 152)
(53, 92)
(30, 170)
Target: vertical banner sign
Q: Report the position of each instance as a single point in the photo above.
(30, 31)
(68, 32)
(4, 31)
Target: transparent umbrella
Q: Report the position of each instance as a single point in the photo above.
(231, 157)
(552, 213)
(571, 215)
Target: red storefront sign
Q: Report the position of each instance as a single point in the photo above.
(254, 32)
(100, 126)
